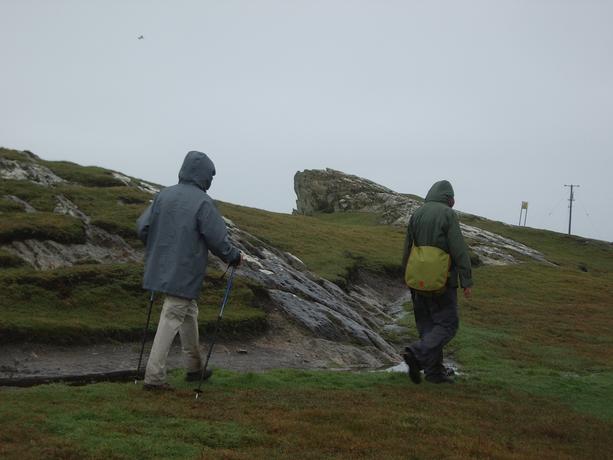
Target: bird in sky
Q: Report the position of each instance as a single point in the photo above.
(140, 37)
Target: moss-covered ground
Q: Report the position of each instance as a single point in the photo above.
(92, 303)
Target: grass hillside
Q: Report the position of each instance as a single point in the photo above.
(89, 302)
(535, 346)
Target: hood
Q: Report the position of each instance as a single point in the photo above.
(197, 169)
(440, 192)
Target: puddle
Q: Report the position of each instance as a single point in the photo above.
(402, 367)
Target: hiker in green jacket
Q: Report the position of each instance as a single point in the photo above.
(435, 224)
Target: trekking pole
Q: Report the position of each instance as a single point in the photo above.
(198, 390)
(142, 348)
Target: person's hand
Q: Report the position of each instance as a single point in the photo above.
(238, 261)
(468, 293)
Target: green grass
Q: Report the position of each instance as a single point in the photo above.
(543, 330)
(294, 414)
(559, 248)
(9, 206)
(8, 260)
(41, 225)
(114, 209)
(11, 154)
(40, 197)
(110, 204)
(331, 245)
(90, 303)
(89, 176)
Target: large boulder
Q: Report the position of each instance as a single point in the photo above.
(330, 191)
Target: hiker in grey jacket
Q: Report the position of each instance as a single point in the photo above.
(436, 315)
(179, 228)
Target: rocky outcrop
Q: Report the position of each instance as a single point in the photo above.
(139, 184)
(31, 171)
(315, 304)
(333, 191)
(495, 249)
(329, 190)
(100, 246)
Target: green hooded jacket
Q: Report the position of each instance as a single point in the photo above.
(436, 224)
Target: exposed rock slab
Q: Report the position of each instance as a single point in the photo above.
(316, 305)
(139, 184)
(30, 171)
(100, 246)
(24, 204)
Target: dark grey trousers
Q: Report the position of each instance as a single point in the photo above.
(437, 323)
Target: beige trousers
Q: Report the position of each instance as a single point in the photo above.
(178, 315)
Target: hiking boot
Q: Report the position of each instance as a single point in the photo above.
(195, 376)
(448, 371)
(160, 387)
(413, 364)
(439, 379)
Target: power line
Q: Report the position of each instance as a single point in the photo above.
(555, 207)
(587, 214)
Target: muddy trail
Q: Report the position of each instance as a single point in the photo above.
(31, 364)
(284, 346)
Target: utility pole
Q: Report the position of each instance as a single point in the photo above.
(570, 206)
(524, 207)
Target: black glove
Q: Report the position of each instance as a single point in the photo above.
(237, 260)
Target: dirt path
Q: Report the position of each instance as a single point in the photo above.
(283, 346)
(35, 360)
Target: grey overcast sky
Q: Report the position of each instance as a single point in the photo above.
(509, 100)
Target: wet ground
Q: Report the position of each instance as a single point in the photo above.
(283, 346)
(35, 360)
(31, 364)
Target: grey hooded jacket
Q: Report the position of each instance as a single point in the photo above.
(179, 228)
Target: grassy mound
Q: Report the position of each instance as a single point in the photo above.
(89, 176)
(110, 204)
(90, 303)
(8, 260)
(113, 208)
(42, 226)
(8, 206)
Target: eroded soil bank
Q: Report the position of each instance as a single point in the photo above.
(284, 346)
